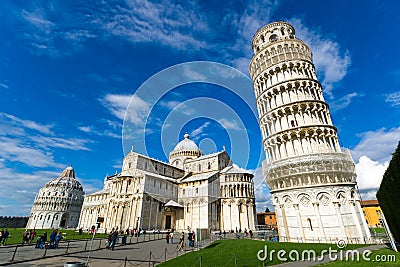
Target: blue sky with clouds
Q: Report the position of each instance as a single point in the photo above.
(68, 70)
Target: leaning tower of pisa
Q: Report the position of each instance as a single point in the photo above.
(311, 178)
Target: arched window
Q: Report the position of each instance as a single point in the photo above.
(273, 38)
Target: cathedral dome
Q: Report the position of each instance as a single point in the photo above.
(183, 151)
(186, 144)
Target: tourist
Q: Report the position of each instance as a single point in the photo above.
(43, 240)
(167, 237)
(32, 235)
(114, 238)
(38, 242)
(180, 247)
(1, 235)
(53, 238)
(171, 237)
(58, 239)
(108, 245)
(5, 236)
(251, 233)
(224, 234)
(25, 237)
(193, 238)
(190, 238)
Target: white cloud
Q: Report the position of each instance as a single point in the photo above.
(261, 191)
(10, 119)
(18, 189)
(393, 99)
(38, 19)
(3, 85)
(197, 132)
(229, 124)
(13, 150)
(170, 104)
(330, 61)
(344, 101)
(92, 130)
(369, 173)
(165, 22)
(368, 194)
(193, 75)
(377, 145)
(32, 143)
(118, 105)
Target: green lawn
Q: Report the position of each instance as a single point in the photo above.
(222, 253)
(383, 253)
(378, 230)
(16, 235)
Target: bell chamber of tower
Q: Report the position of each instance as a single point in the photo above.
(311, 178)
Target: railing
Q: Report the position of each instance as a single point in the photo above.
(15, 254)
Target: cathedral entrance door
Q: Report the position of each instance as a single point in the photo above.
(167, 221)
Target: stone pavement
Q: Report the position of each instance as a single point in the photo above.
(138, 253)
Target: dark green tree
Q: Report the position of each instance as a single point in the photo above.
(389, 194)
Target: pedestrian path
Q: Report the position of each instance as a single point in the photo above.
(140, 254)
(28, 253)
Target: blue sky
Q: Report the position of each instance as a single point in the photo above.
(68, 70)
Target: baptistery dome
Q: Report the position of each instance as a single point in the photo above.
(58, 203)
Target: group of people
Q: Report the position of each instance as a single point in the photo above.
(55, 238)
(4, 234)
(28, 236)
(113, 238)
(169, 237)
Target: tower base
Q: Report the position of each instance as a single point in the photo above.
(320, 214)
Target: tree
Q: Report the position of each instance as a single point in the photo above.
(388, 194)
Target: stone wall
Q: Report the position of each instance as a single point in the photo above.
(13, 222)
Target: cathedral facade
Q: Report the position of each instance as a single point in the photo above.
(191, 191)
(311, 178)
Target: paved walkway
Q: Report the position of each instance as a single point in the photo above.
(326, 259)
(136, 252)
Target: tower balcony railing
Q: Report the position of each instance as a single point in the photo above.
(316, 162)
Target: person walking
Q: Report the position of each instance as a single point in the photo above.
(193, 238)
(5, 237)
(171, 237)
(167, 238)
(190, 239)
(114, 239)
(180, 246)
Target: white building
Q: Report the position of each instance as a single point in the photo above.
(58, 204)
(311, 178)
(191, 191)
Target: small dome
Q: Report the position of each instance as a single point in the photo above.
(186, 144)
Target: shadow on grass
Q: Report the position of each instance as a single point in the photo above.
(213, 245)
